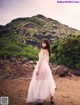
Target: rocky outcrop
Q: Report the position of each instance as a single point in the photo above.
(21, 67)
(32, 29)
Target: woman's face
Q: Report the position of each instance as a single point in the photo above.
(43, 44)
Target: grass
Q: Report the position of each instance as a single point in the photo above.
(16, 48)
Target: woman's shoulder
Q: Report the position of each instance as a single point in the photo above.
(45, 51)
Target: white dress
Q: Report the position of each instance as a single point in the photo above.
(42, 85)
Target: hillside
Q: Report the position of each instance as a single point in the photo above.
(21, 35)
(32, 29)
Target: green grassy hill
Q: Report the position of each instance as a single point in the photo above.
(22, 36)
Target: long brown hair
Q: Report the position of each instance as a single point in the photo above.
(47, 45)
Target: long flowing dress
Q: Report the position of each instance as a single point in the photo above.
(42, 85)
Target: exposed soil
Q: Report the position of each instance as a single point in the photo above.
(67, 93)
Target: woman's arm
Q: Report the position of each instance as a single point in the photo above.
(40, 61)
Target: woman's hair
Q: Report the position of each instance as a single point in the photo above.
(45, 40)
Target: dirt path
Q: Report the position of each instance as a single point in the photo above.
(67, 93)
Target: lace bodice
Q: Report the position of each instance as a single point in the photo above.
(43, 57)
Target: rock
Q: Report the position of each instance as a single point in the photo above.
(62, 71)
(63, 74)
(13, 59)
(31, 62)
(76, 72)
(15, 68)
(24, 60)
(7, 61)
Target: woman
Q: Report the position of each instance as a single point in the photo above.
(42, 84)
